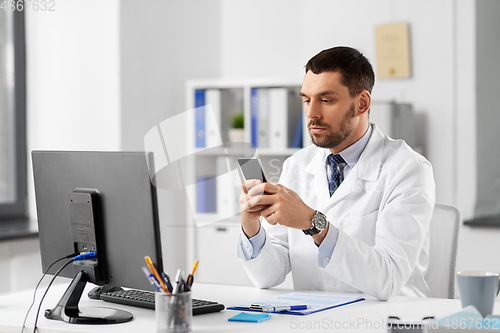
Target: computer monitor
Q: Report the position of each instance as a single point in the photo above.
(121, 225)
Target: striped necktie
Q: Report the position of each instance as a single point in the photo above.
(336, 164)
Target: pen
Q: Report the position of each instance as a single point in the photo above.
(166, 279)
(271, 308)
(178, 282)
(152, 279)
(155, 272)
(174, 305)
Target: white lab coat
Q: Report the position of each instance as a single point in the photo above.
(382, 210)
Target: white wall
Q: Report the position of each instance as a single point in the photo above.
(72, 60)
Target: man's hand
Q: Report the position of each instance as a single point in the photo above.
(282, 206)
(285, 207)
(250, 214)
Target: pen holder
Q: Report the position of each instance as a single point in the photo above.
(173, 312)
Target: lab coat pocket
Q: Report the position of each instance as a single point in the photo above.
(361, 227)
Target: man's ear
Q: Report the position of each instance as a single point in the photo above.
(365, 101)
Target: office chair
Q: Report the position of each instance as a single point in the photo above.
(444, 228)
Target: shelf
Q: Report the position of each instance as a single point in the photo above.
(240, 83)
(245, 152)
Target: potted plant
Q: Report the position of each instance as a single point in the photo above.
(237, 132)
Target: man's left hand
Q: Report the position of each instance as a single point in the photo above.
(285, 206)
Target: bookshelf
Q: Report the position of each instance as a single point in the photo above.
(273, 130)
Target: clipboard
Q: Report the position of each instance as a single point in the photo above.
(316, 302)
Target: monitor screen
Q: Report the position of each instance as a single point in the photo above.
(129, 228)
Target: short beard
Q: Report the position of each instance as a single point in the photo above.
(334, 139)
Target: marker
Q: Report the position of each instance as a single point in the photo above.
(155, 272)
(166, 279)
(152, 280)
(271, 308)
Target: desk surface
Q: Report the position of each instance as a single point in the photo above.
(366, 316)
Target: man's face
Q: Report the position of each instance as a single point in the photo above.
(330, 110)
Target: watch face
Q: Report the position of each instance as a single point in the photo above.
(319, 221)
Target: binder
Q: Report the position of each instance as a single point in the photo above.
(212, 121)
(226, 188)
(306, 137)
(199, 104)
(297, 137)
(263, 121)
(396, 120)
(278, 118)
(206, 191)
(254, 112)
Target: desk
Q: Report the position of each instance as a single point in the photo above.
(366, 316)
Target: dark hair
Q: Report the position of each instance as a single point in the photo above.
(355, 70)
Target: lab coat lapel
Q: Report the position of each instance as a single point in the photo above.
(317, 171)
(367, 168)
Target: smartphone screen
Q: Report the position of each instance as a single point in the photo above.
(251, 168)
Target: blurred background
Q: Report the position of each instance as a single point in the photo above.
(100, 74)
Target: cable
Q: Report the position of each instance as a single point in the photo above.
(85, 256)
(40, 281)
(48, 287)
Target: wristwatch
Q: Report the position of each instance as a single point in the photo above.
(319, 223)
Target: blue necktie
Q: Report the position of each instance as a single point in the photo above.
(336, 164)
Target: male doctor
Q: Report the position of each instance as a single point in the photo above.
(350, 213)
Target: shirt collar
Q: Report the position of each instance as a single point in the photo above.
(352, 153)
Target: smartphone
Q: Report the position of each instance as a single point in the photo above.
(251, 168)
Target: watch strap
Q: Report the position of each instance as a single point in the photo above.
(312, 231)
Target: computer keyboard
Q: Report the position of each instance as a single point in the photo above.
(146, 299)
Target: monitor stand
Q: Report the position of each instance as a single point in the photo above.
(68, 310)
